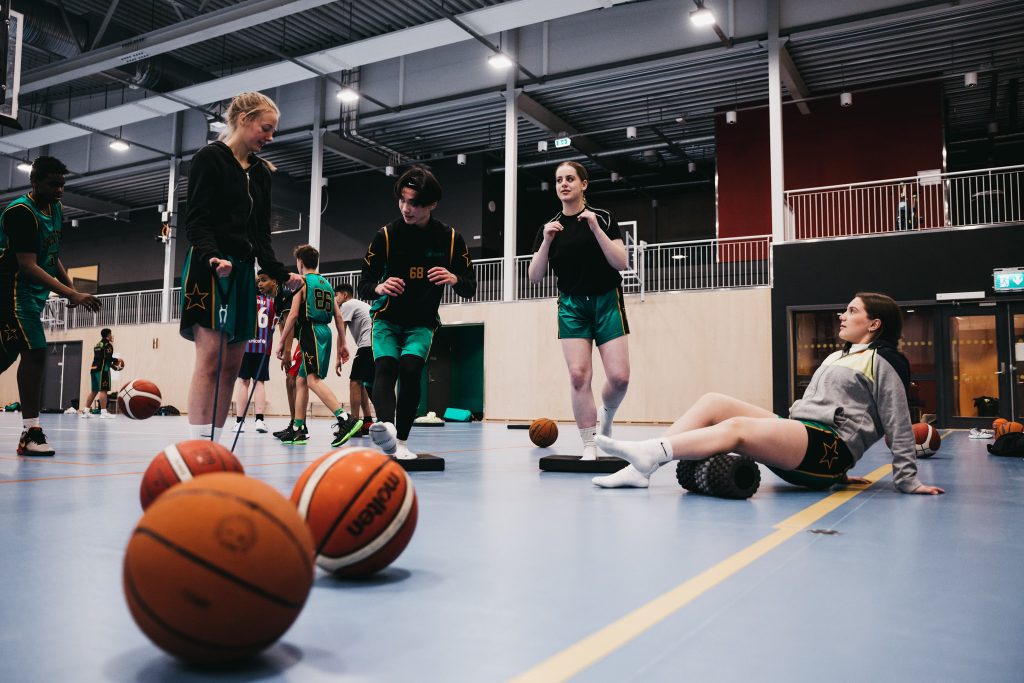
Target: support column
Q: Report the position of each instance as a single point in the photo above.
(778, 185)
(511, 188)
(171, 219)
(316, 174)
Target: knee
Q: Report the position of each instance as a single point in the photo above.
(738, 429)
(618, 381)
(579, 377)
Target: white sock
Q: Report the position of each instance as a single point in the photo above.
(587, 434)
(199, 431)
(605, 415)
(627, 477)
(29, 423)
(646, 456)
(402, 451)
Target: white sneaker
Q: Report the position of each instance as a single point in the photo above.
(261, 427)
(402, 452)
(85, 415)
(384, 436)
(105, 415)
(71, 411)
(237, 427)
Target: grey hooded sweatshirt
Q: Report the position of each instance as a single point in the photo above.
(861, 395)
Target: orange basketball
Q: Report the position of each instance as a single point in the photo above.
(183, 461)
(999, 421)
(361, 507)
(139, 399)
(1008, 427)
(927, 440)
(543, 432)
(218, 568)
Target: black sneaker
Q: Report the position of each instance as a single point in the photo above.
(33, 442)
(346, 428)
(298, 437)
(282, 433)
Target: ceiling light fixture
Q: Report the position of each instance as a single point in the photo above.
(846, 99)
(730, 117)
(692, 167)
(702, 16)
(119, 145)
(25, 167)
(970, 79)
(500, 61)
(348, 95)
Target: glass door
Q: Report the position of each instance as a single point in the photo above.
(1015, 363)
(977, 349)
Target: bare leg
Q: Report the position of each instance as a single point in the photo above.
(300, 399)
(289, 386)
(260, 398)
(367, 408)
(615, 357)
(713, 408)
(355, 395)
(323, 392)
(579, 360)
(241, 394)
(205, 378)
(87, 406)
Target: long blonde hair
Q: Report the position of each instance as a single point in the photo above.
(244, 108)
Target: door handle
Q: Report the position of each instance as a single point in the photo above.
(1002, 368)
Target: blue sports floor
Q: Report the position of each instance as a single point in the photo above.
(515, 574)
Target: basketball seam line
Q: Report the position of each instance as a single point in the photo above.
(306, 560)
(352, 501)
(130, 582)
(220, 571)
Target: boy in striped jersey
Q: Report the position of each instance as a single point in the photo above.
(256, 361)
(312, 311)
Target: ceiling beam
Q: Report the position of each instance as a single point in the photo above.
(167, 39)
(793, 81)
(91, 205)
(545, 119)
(503, 17)
(336, 144)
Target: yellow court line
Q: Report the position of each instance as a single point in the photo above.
(600, 644)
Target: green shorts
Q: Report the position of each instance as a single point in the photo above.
(315, 344)
(389, 339)
(601, 317)
(220, 304)
(826, 460)
(19, 331)
(100, 380)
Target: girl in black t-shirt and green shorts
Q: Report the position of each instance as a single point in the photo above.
(585, 249)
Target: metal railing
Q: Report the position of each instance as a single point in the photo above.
(674, 266)
(926, 201)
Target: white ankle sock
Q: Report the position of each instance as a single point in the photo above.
(589, 451)
(646, 456)
(605, 415)
(627, 477)
(402, 451)
(199, 431)
(29, 423)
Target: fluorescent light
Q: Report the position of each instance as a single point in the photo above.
(846, 99)
(25, 167)
(500, 61)
(702, 17)
(119, 145)
(348, 95)
(217, 125)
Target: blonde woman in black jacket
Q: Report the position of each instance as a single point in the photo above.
(227, 222)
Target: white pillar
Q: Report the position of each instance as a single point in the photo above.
(169, 244)
(778, 185)
(511, 188)
(316, 173)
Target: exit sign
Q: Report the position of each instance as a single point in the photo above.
(562, 142)
(1008, 279)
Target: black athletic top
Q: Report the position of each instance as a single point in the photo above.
(576, 257)
(228, 209)
(409, 252)
(102, 354)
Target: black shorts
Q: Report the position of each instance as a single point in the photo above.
(362, 366)
(255, 367)
(825, 463)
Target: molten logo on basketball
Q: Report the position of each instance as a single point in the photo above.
(236, 533)
(377, 505)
